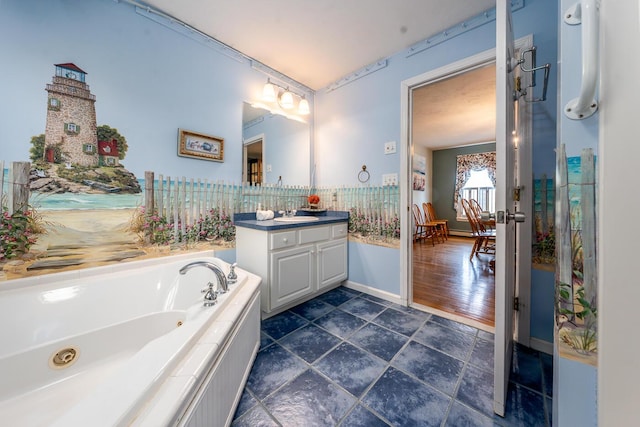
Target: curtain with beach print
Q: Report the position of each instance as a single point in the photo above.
(466, 163)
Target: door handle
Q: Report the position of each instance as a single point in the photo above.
(503, 217)
(487, 216)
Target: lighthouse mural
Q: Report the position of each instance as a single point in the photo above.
(70, 135)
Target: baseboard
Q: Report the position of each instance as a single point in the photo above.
(541, 345)
(460, 233)
(387, 296)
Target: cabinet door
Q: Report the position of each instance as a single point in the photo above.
(292, 274)
(332, 262)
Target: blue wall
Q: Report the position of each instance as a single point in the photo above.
(148, 80)
(363, 256)
(354, 121)
(542, 300)
(575, 388)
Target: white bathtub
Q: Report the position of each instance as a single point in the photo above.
(139, 345)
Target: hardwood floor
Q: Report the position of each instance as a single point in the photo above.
(445, 279)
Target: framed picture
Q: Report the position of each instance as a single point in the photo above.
(419, 172)
(200, 146)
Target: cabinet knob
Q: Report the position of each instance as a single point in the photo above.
(285, 240)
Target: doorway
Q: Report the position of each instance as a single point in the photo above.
(409, 149)
(252, 170)
(453, 118)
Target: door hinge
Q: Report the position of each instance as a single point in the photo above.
(516, 194)
(516, 304)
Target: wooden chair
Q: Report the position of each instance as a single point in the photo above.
(439, 226)
(428, 207)
(422, 230)
(484, 239)
(477, 209)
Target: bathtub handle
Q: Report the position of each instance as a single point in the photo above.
(232, 277)
(210, 295)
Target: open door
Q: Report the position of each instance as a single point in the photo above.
(505, 267)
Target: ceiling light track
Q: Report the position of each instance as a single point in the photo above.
(371, 68)
(468, 25)
(187, 30)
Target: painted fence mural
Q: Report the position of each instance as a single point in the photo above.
(544, 244)
(576, 275)
(77, 230)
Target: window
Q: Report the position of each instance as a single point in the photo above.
(71, 128)
(88, 148)
(54, 104)
(482, 167)
(480, 188)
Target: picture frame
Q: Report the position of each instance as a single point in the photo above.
(419, 172)
(200, 146)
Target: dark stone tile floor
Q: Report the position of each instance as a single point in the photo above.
(350, 359)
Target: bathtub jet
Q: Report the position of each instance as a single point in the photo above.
(210, 294)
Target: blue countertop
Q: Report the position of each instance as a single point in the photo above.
(248, 220)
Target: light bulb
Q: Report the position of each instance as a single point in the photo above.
(286, 100)
(269, 92)
(303, 107)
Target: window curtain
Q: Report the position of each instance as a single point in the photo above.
(466, 163)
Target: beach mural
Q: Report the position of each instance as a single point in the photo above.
(544, 245)
(82, 204)
(576, 273)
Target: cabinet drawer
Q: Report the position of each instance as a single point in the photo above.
(339, 230)
(281, 240)
(315, 234)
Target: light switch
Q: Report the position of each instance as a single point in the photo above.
(389, 147)
(389, 179)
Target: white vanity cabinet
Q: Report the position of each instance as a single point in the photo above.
(295, 264)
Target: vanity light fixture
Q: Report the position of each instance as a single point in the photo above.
(273, 92)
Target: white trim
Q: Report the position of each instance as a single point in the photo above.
(387, 296)
(460, 233)
(406, 194)
(454, 317)
(406, 149)
(541, 345)
(618, 371)
(523, 231)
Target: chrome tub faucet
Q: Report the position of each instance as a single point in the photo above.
(211, 295)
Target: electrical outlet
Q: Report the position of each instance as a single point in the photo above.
(268, 168)
(390, 179)
(389, 147)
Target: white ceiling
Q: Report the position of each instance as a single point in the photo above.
(459, 110)
(319, 42)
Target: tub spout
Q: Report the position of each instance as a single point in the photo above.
(222, 279)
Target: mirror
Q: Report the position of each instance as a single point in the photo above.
(274, 147)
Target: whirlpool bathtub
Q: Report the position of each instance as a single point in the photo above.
(129, 344)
